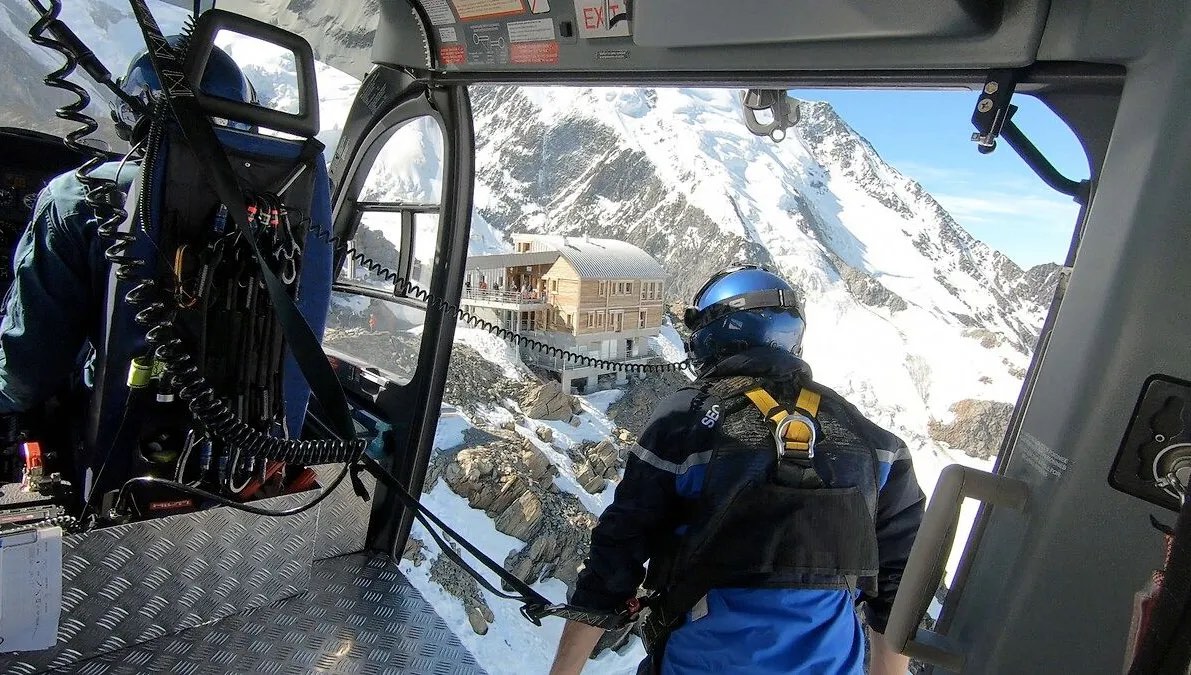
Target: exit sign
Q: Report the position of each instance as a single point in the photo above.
(602, 18)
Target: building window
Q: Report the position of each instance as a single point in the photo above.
(603, 288)
(645, 290)
(599, 319)
(641, 319)
(523, 247)
(590, 323)
(554, 285)
(628, 288)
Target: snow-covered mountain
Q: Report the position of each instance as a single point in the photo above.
(907, 312)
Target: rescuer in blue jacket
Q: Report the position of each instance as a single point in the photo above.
(767, 507)
(53, 312)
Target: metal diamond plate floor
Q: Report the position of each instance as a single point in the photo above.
(361, 616)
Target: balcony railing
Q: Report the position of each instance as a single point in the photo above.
(505, 296)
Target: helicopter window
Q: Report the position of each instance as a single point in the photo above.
(397, 237)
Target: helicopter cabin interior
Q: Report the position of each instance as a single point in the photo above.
(309, 581)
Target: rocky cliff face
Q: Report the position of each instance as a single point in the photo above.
(977, 427)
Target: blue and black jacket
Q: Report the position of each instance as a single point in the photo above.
(774, 623)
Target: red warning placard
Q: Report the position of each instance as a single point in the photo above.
(533, 52)
(452, 55)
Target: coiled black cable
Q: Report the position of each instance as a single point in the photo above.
(406, 288)
(102, 195)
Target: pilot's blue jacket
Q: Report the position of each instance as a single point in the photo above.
(744, 630)
(54, 307)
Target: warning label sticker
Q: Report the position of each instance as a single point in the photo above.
(487, 44)
(1041, 457)
(534, 52)
(612, 54)
(487, 9)
(448, 34)
(537, 30)
(439, 12)
(602, 18)
(452, 55)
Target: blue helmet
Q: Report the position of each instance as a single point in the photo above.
(742, 308)
(222, 78)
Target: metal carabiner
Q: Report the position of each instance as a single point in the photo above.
(289, 271)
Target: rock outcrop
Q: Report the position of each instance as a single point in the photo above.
(512, 481)
(633, 410)
(978, 427)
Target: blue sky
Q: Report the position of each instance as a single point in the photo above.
(996, 197)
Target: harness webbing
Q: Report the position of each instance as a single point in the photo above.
(795, 432)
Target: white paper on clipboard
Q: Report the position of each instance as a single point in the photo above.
(30, 589)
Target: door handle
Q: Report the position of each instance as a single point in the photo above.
(928, 558)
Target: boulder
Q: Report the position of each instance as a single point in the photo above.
(545, 434)
(604, 459)
(538, 467)
(625, 436)
(511, 487)
(547, 402)
(589, 480)
(475, 616)
(413, 551)
(575, 421)
(576, 406)
(522, 518)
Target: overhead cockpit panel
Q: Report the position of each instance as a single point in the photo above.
(487, 36)
(650, 39)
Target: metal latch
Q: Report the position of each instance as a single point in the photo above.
(781, 107)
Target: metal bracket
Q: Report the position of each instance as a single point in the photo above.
(993, 109)
(783, 109)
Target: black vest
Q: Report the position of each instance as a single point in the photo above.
(756, 523)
